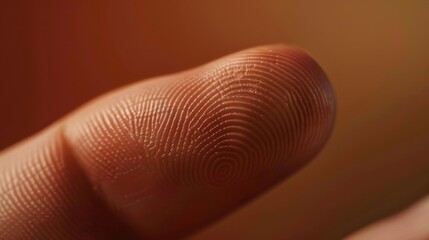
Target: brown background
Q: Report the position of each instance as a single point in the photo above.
(55, 55)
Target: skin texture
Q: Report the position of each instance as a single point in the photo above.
(164, 157)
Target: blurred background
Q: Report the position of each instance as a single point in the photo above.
(56, 55)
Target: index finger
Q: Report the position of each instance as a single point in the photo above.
(164, 157)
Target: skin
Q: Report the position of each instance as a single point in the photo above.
(166, 156)
(409, 224)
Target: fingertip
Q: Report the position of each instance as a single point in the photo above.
(190, 149)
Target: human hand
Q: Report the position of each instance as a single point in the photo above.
(169, 155)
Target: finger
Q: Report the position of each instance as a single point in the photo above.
(168, 155)
(409, 224)
(45, 195)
